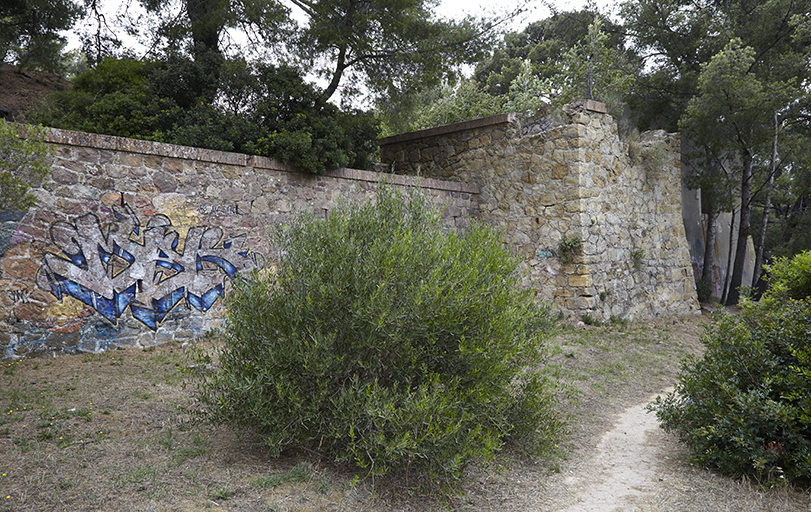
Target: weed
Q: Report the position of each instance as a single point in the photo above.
(323, 487)
(300, 473)
(569, 247)
(81, 412)
(200, 446)
(622, 323)
(64, 440)
(221, 493)
(172, 378)
(143, 393)
(589, 320)
(137, 476)
(637, 255)
(167, 440)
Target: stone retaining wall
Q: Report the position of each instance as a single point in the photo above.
(134, 243)
(544, 179)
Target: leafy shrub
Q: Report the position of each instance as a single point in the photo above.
(25, 162)
(791, 277)
(745, 408)
(264, 109)
(384, 341)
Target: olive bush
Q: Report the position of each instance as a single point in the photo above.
(25, 162)
(384, 340)
(745, 407)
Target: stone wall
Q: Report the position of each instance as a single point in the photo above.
(134, 243)
(544, 178)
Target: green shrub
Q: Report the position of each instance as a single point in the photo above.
(745, 408)
(791, 277)
(264, 110)
(382, 340)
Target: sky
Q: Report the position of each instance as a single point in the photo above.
(536, 9)
(455, 9)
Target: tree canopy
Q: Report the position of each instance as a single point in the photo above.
(30, 31)
(722, 72)
(258, 109)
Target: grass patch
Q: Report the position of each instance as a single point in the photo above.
(300, 473)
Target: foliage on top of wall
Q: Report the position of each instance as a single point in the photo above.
(253, 108)
(25, 162)
(651, 155)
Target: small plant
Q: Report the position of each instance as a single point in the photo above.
(589, 320)
(604, 295)
(569, 247)
(637, 255)
(621, 322)
(300, 473)
(221, 493)
(654, 159)
(167, 440)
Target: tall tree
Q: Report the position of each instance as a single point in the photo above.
(544, 43)
(375, 45)
(392, 45)
(682, 36)
(733, 111)
(204, 22)
(30, 31)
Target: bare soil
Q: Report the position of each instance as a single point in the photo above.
(22, 90)
(108, 432)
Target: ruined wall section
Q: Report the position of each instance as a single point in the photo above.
(544, 179)
(135, 243)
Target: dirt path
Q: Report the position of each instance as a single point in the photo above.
(623, 469)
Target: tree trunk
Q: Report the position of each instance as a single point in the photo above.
(340, 66)
(729, 258)
(709, 245)
(766, 206)
(207, 19)
(743, 230)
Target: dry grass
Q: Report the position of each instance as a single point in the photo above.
(107, 432)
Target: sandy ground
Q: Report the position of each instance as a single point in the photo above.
(623, 468)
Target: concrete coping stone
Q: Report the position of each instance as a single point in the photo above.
(399, 179)
(111, 142)
(451, 128)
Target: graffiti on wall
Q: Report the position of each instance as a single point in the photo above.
(146, 269)
(9, 220)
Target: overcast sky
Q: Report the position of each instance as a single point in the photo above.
(537, 9)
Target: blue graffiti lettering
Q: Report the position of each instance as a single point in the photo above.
(545, 253)
(140, 269)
